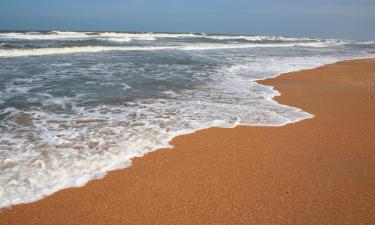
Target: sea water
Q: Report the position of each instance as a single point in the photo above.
(74, 105)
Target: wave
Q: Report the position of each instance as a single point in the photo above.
(258, 45)
(117, 40)
(110, 36)
(366, 43)
(53, 35)
(258, 38)
(70, 50)
(66, 35)
(94, 49)
(130, 36)
(62, 35)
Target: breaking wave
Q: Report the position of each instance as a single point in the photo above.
(92, 49)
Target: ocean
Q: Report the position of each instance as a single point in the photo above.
(74, 105)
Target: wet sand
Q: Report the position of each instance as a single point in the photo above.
(318, 171)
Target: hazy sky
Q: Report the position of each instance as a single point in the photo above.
(354, 19)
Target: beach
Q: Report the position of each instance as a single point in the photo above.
(317, 171)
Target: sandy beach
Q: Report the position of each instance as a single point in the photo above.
(317, 171)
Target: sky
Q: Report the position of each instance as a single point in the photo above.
(347, 19)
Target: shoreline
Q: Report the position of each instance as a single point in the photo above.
(19, 213)
(170, 146)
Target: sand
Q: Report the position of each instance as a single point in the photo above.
(318, 171)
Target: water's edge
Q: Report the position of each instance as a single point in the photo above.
(172, 137)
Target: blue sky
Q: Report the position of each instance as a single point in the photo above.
(353, 19)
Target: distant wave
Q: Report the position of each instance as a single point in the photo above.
(59, 35)
(117, 40)
(53, 35)
(257, 45)
(93, 49)
(69, 50)
(365, 43)
(258, 38)
(124, 37)
(127, 36)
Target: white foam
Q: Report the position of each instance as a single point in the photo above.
(127, 36)
(70, 50)
(260, 45)
(366, 43)
(258, 38)
(55, 35)
(120, 40)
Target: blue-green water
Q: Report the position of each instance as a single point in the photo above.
(74, 105)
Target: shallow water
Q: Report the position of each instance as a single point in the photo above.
(74, 105)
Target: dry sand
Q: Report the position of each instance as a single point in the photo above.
(318, 171)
